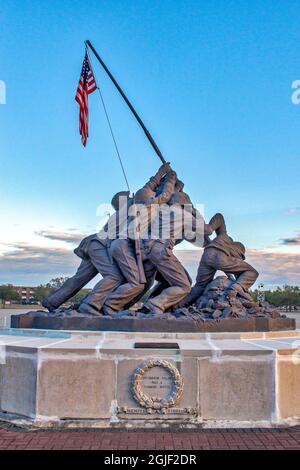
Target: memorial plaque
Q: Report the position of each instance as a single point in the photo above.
(156, 385)
(155, 388)
(157, 382)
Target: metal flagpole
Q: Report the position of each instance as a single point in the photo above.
(109, 124)
(147, 133)
(137, 242)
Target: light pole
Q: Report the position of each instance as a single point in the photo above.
(260, 293)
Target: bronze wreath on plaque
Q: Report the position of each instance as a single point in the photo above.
(155, 404)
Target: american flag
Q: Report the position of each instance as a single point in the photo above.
(86, 86)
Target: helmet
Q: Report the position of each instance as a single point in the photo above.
(115, 200)
(181, 198)
(179, 185)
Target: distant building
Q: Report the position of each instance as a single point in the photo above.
(26, 293)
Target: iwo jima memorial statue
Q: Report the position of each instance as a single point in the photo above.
(144, 286)
(146, 347)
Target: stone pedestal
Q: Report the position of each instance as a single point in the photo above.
(119, 379)
(45, 320)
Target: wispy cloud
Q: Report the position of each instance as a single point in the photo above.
(27, 263)
(274, 268)
(61, 236)
(294, 241)
(31, 264)
(291, 241)
(291, 211)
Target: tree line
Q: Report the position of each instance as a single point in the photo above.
(44, 290)
(286, 296)
(8, 293)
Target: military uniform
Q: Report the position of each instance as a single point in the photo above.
(224, 254)
(168, 265)
(93, 250)
(95, 259)
(160, 253)
(123, 250)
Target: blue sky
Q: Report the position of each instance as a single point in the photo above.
(212, 81)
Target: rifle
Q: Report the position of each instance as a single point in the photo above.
(137, 246)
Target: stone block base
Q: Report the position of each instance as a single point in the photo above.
(149, 380)
(48, 321)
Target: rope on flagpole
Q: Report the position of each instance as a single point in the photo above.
(109, 123)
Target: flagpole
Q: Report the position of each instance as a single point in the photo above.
(147, 133)
(109, 123)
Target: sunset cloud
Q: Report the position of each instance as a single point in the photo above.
(274, 268)
(61, 236)
(32, 264)
(291, 241)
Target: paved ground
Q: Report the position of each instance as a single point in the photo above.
(234, 439)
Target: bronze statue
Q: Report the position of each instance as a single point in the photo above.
(115, 253)
(133, 252)
(114, 259)
(223, 254)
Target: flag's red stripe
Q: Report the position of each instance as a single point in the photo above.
(84, 89)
